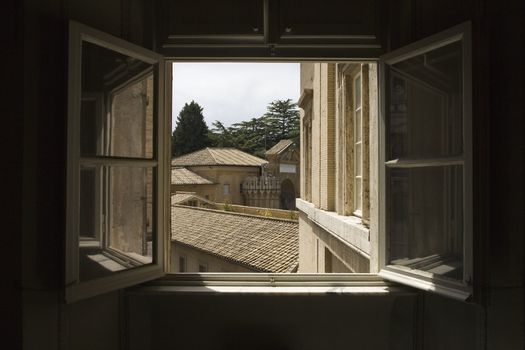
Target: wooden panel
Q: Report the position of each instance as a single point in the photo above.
(434, 16)
(329, 21)
(204, 21)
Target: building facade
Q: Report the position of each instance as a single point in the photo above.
(216, 174)
(337, 101)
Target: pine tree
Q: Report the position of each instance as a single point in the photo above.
(282, 120)
(191, 133)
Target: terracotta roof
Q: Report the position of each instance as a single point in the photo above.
(279, 147)
(259, 243)
(218, 156)
(183, 176)
(181, 197)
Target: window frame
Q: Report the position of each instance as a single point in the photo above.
(376, 282)
(74, 288)
(297, 283)
(357, 207)
(417, 278)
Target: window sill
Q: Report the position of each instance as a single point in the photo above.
(349, 229)
(426, 281)
(271, 284)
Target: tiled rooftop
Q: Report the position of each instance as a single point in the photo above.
(279, 147)
(259, 243)
(218, 156)
(182, 197)
(183, 176)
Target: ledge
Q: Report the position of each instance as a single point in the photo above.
(271, 284)
(347, 228)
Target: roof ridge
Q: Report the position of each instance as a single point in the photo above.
(209, 149)
(237, 214)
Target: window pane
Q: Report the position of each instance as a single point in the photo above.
(358, 194)
(358, 159)
(358, 126)
(88, 203)
(425, 213)
(116, 207)
(131, 211)
(357, 89)
(117, 104)
(425, 105)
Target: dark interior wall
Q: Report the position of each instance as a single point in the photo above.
(35, 174)
(243, 321)
(11, 49)
(498, 146)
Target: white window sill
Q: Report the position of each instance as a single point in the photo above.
(271, 284)
(349, 229)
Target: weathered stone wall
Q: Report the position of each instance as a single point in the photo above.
(195, 257)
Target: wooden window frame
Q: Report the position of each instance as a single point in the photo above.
(416, 278)
(74, 288)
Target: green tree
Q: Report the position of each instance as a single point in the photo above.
(282, 121)
(191, 133)
(256, 135)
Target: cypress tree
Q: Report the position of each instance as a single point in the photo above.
(191, 133)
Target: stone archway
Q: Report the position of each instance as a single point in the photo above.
(287, 198)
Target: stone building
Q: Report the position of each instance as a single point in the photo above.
(191, 199)
(283, 163)
(225, 241)
(279, 185)
(217, 174)
(337, 103)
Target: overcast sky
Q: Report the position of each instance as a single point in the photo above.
(232, 92)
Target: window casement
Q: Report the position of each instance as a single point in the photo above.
(305, 103)
(426, 164)
(116, 203)
(353, 165)
(419, 177)
(358, 145)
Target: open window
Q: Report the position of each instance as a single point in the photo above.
(425, 164)
(118, 162)
(116, 217)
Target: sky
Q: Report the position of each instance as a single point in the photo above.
(233, 92)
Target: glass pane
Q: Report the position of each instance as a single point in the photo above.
(358, 159)
(88, 204)
(358, 194)
(116, 208)
(425, 214)
(131, 211)
(425, 105)
(116, 116)
(358, 126)
(357, 88)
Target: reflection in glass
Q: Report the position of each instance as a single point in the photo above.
(130, 211)
(88, 204)
(121, 204)
(425, 184)
(425, 105)
(425, 214)
(117, 104)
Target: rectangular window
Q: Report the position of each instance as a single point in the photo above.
(203, 267)
(358, 146)
(427, 162)
(287, 168)
(182, 264)
(115, 164)
(226, 189)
